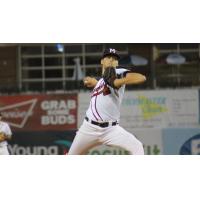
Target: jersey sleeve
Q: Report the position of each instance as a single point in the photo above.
(121, 72)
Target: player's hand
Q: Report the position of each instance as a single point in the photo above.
(2, 137)
(89, 81)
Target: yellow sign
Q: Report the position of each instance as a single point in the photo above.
(150, 108)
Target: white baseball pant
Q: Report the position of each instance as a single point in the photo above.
(4, 150)
(90, 135)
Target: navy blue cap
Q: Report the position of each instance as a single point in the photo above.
(110, 52)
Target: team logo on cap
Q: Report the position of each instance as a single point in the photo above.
(112, 50)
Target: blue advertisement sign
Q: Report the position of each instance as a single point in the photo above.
(181, 141)
(41, 143)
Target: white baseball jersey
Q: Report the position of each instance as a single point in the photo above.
(105, 101)
(4, 127)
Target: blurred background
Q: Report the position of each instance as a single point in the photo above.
(44, 100)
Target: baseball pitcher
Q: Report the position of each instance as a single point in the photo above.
(5, 134)
(101, 123)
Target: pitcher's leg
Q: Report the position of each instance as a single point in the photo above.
(82, 143)
(118, 136)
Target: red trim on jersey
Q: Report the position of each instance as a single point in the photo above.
(97, 93)
(96, 108)
(93, 112)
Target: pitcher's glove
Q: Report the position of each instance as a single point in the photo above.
(109, 76)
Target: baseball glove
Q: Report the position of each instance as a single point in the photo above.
(109, 76)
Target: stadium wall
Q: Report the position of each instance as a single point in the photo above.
(166, 121)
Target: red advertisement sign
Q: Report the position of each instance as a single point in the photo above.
(40, 112)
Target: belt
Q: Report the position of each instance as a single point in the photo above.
(101, 124)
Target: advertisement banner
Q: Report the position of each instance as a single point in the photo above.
(84, 101)
(41, 143)
(40, 112)
(181, 141)
(151, 139)
(165, 108)
(107, 150)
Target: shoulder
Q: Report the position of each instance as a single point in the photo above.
(5, 124)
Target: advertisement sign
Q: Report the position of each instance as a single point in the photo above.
(40, 112)
(151, 139)
(41, 143)
(181, 141)
(165, 108)
(107, 150)
(84, 101)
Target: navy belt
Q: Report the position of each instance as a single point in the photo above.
(101, 124)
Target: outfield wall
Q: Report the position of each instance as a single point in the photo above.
(166, 121)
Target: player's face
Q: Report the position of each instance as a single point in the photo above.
(109, 61)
